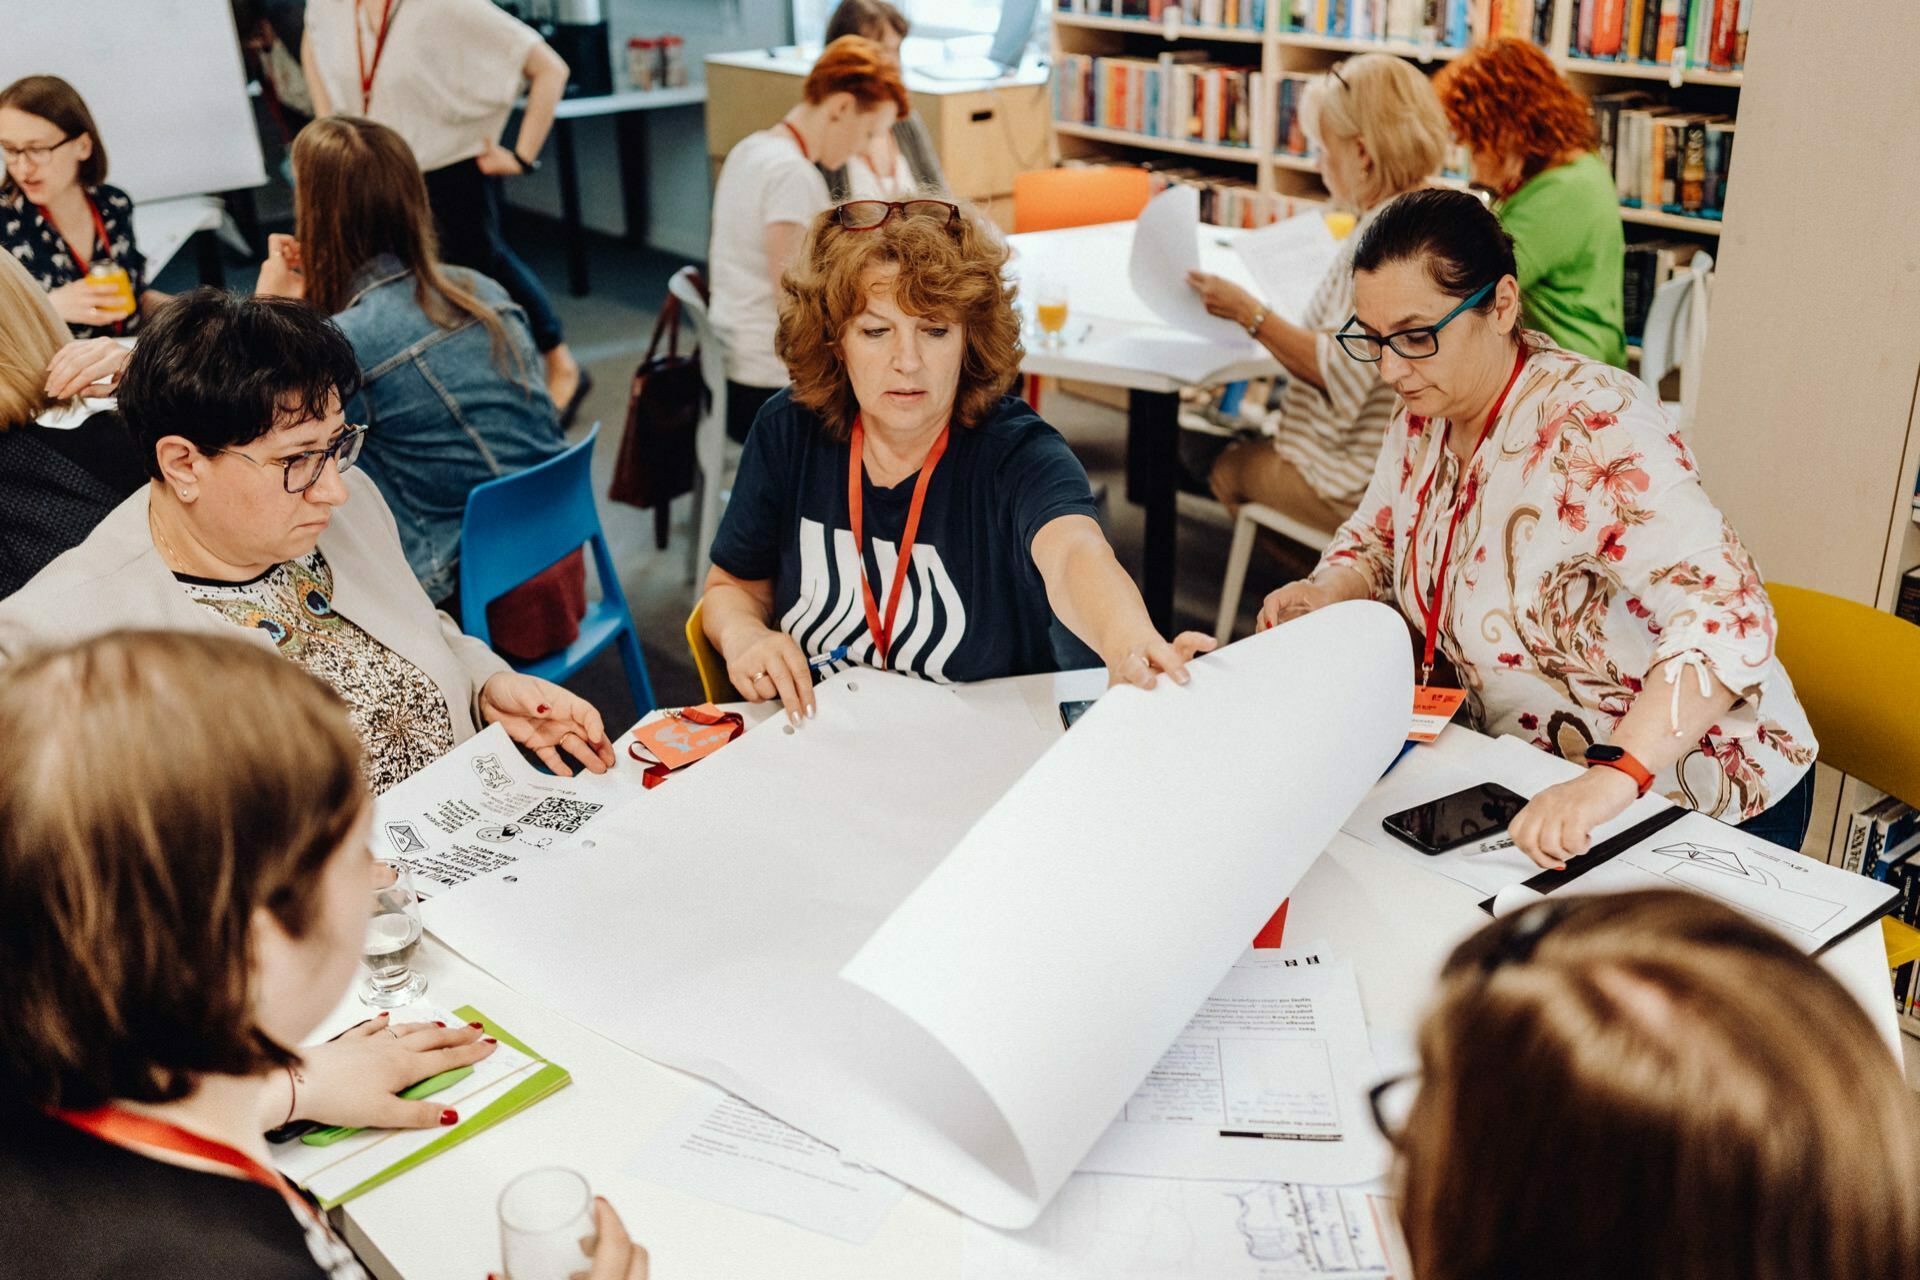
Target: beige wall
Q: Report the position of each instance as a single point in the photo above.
(1807, 404)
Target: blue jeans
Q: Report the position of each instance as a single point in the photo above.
(1785, 820)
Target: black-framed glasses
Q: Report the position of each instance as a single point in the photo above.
(865, 215)
(1391, 1102)
(39, 155)
(303, 470)
(1409, 344)
(1334, 71)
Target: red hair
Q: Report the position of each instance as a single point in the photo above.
(1506, 99)
(855, 65)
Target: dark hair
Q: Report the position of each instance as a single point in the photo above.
(223, 370)
(60, 104)
(864, 18)
(132, 871)
(1461, 243)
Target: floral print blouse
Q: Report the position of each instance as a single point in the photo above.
(44, 252)
(1590, 555)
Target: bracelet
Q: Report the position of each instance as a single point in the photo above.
(293, 1094)
(526, 165)
(1253, 325)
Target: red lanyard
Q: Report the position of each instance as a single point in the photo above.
(82, 260)
(882, 631)
(798, 141)
(125, 1129)
(1430, 613)
(367, 73)
(657, 771)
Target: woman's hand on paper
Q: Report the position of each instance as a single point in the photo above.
(353, 1081)
(1558, 823)
(545, 718)
(1222, 297)
(89, 363)
(281, 274)
(615, 1255)
(765, 664)
(1143, 664)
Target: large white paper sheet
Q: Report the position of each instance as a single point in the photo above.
(725, 1150)
(1166, 246)
(1101, 1228)
(919, 994)
(1267, 1080)
(1288, 260)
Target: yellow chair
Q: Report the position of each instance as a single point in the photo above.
(707, 661)
(1857, 671)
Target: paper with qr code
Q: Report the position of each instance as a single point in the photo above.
(479, 810)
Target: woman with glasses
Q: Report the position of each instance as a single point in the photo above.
(253, 523)
(1649, 1085)
(1531, 138)
(1540, 523)
(770, 187)
(895, 508)
(1376, 132)
(451, 391)
(58, 216)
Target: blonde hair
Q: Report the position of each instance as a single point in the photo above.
(1389, 105)
(30, 332)
(1650, 1085)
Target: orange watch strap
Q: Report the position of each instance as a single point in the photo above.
(1626, 764)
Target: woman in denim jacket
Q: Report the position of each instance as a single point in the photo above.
(453, 392)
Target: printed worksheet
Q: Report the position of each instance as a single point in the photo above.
(1267, 1080)
(1102, 1228)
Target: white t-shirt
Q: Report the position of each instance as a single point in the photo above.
(868, 184)
(765, 180)
(447, 79)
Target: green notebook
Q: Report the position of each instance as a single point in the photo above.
(544, 1079)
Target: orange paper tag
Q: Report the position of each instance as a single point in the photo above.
(1432, 708)
(677, 742)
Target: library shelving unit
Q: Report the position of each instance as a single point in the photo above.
(1276, 52)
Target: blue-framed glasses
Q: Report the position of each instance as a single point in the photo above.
(1408, 344)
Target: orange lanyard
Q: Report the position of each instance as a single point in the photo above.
(125, 1129)
(1430, 612)
(798, 141)
(367, 73)
(882, 631)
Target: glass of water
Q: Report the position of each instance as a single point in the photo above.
(544, 1216)
(393, 935)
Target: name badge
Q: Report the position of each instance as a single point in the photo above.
(1432, 709)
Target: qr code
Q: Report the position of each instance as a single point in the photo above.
(556, 813)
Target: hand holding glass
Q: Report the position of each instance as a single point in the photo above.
(546, 1225)
(393, 935)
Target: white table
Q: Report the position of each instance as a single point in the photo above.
(1113, 340)
(1395, 921)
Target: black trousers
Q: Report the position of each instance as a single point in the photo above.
(466, 216)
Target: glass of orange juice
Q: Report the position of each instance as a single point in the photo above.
(108, 272)
(1050, 309)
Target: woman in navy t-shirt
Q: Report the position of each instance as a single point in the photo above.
(902, 339)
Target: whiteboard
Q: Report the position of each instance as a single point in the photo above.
(163, 79)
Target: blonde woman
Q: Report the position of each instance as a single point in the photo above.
(1377, 131)
(1649, 1085)
(65, 459)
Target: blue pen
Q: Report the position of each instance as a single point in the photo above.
(828, 659)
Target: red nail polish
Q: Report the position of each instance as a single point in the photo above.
(478, 1026)
(449, 1116)
(541, 709)
(439, 1024)
(381, 1014)
(490, 1040)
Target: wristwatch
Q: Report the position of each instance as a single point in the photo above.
(526, 165)
(1253, 325)
(1612, 757)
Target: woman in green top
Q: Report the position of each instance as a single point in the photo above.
(1531, 137)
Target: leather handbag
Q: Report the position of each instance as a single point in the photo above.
(664, 406)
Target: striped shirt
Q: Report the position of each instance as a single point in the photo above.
(1331, 437)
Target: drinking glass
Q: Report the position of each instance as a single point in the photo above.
(393, 935)
(544, 1215)
(1050, 310)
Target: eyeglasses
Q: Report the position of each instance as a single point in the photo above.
(39, 155)
(1392, 1100)
(1408, 344)
(303, 470)
(865, 215)
(1334, 71)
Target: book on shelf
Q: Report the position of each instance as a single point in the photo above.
(1908, 604)
(1177, 96)
(1649, 264)
(1883, 842)
(1709, 33)
(1450, 24)
(1676, 162)
(1242, 15)
(1289, 137)
(1224, 201)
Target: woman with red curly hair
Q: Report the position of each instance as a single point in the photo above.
(895, 508)
(1531, 136)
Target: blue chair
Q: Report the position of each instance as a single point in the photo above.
(521, 525)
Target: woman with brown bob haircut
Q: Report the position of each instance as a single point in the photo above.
(1648, 1085)
(895, 508)
(185, 900)
(1531, 137)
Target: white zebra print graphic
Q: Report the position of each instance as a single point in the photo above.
(928, 626)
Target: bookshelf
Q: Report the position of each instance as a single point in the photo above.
(1275, 52)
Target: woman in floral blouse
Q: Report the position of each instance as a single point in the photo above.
(1580, 561)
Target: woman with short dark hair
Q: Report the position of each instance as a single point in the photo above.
(237, 406)
(896, 508)
(1538, 519)
(186, 900)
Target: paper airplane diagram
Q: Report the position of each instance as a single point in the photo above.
(1725, 860)
(1739, 880)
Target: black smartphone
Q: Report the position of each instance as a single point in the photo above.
(1072, 711)
(1461, 818)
